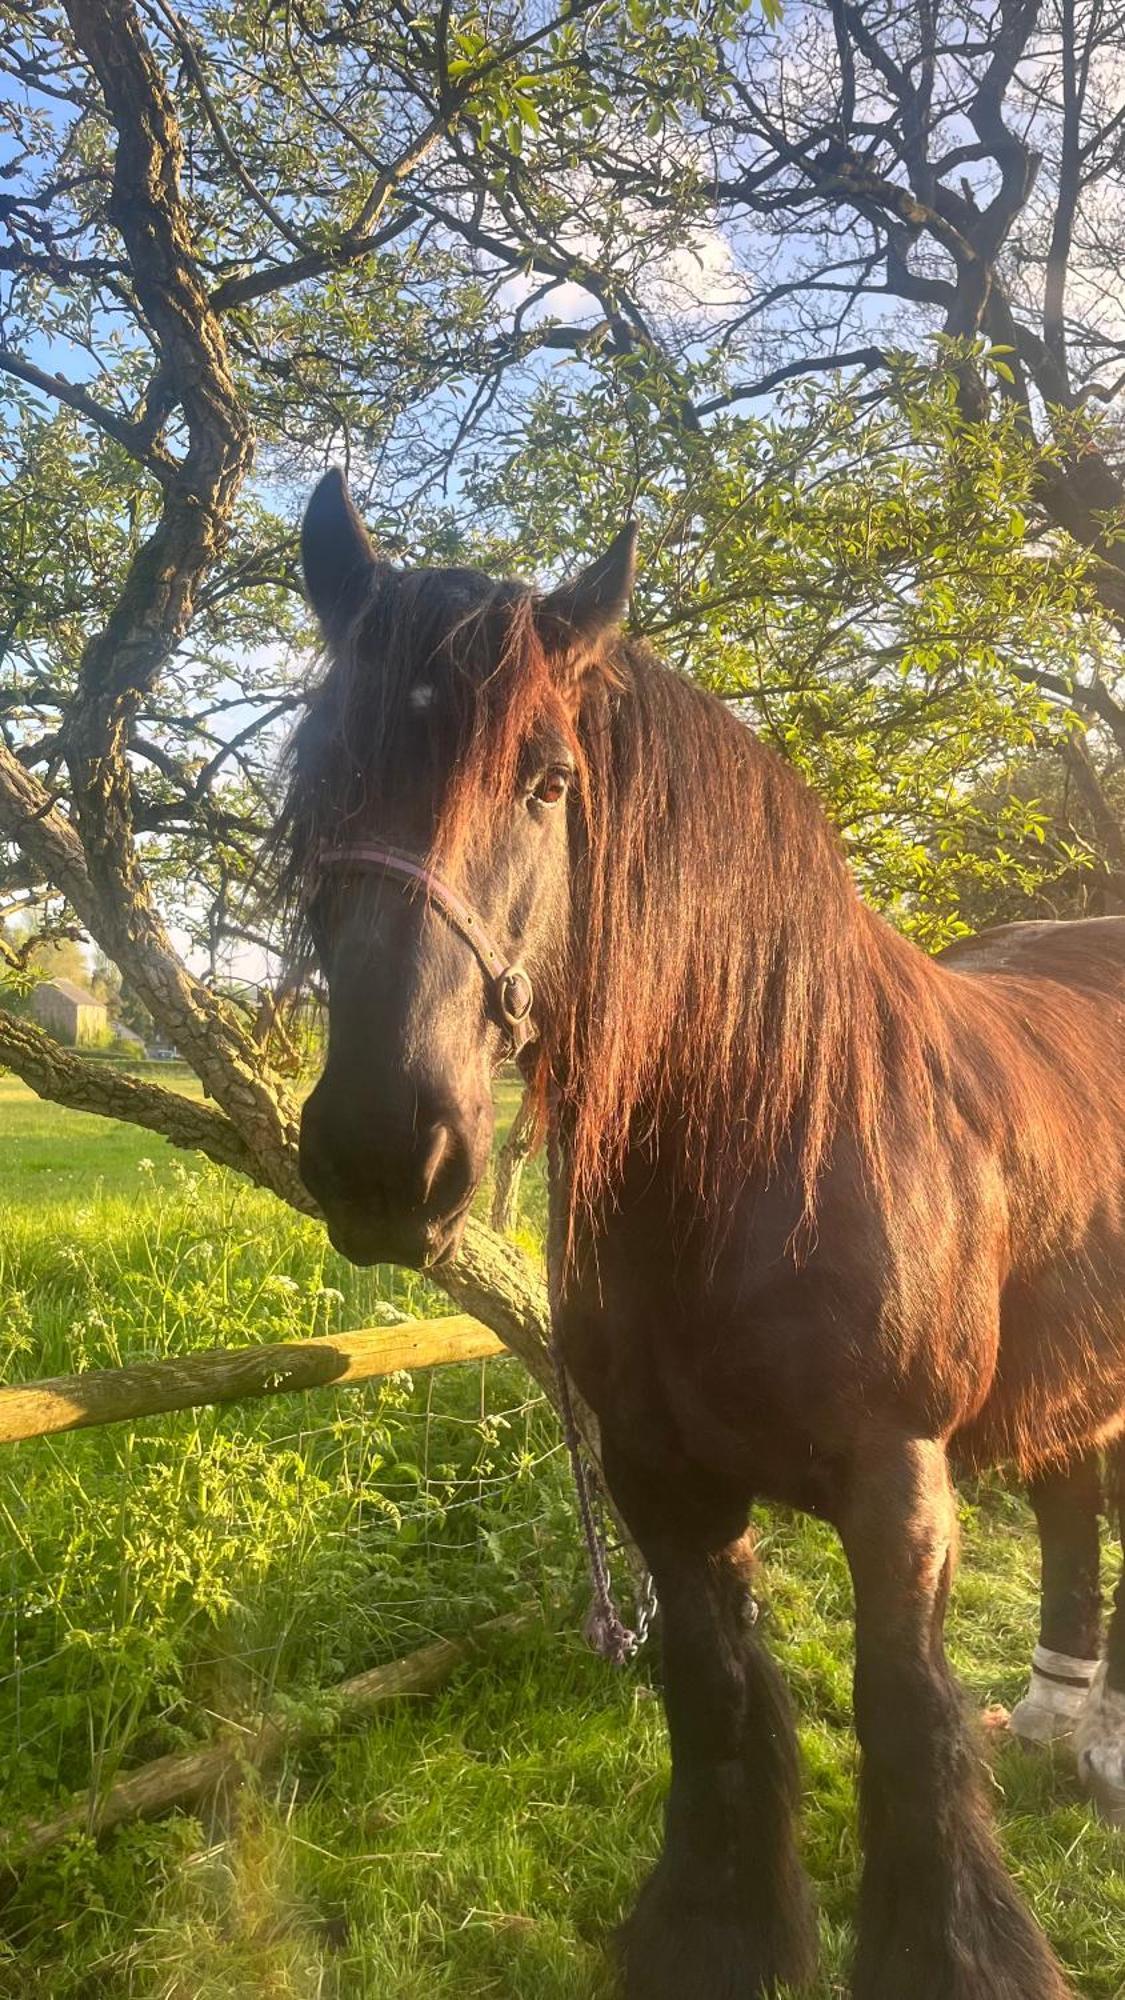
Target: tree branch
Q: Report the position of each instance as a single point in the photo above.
(195, 70)
(1108, 828)
(133, 437)
(809, 364)
(271, 278)
(54, 1072)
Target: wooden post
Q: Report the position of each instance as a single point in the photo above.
(227, 1375)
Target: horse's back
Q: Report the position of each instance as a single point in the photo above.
(1085, 952)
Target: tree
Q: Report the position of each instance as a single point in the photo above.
(855, 180)
(1055, 849)
(235, 241)
(173, 296)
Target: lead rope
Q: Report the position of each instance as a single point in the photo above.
(604, 1628)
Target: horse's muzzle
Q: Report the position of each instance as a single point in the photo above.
(364, 1236)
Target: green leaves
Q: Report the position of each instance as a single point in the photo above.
(551, 333)
(862, 584)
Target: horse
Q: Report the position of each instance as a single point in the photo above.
(828, 1217)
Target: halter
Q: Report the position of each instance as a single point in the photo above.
(509, 986)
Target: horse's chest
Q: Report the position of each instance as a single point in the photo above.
(690, 1371)
(763, 1365)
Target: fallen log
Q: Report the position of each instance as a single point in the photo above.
(188, 1777)
(228, 1375)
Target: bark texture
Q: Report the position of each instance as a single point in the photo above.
(232, 1375)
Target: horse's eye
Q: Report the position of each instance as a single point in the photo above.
(550, 789)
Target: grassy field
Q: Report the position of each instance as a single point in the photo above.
(157, 1578)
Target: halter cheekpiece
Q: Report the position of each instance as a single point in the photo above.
(508, 984)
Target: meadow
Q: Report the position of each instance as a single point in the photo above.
(158, 1578)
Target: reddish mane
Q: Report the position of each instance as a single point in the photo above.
(725, 983)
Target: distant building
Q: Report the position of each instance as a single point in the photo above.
(70, 1013)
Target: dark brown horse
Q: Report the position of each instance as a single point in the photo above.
(826, 1213)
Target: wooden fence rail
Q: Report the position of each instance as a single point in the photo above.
(187, 1777)
(228, 1375)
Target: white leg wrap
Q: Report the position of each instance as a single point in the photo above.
(1056, 1697)
(1099, 1747)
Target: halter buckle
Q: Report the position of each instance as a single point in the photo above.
(514, 996)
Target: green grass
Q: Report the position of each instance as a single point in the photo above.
(159, 1577)
(47, 1154)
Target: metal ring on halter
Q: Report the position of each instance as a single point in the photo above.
(515, 997)
(508, 982)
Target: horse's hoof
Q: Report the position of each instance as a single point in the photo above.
(676, 1948)
(1057, 1696)
(1099, 1749)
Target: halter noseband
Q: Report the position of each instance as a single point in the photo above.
(508, 984)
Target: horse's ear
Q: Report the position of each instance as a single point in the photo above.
(336, 555)
(574, 617)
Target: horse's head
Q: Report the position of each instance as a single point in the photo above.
(431, 830)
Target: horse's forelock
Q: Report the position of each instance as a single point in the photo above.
(457, 651)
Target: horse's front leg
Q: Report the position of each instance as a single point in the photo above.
(726, 1914)
(940, 1918)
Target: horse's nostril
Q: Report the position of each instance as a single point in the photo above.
(447, 1174)
(437, 1152)
(352, 1165)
